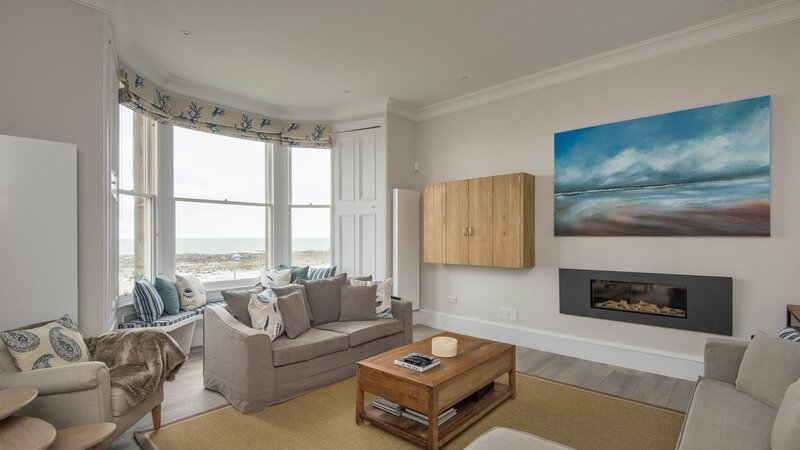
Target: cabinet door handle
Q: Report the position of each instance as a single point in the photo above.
(471, 231)
(466, 233)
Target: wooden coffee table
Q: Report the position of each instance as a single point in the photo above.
(478, 363)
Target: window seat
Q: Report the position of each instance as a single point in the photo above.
(180, 326)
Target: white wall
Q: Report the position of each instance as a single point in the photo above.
(400, 157)
(51, 87)
(517, 135)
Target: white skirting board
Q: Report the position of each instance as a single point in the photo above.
(678, 365)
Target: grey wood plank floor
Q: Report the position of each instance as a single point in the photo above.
(186, 396)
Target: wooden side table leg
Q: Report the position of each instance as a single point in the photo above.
(155, 413)
(359, 398)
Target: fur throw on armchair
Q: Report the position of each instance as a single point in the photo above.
(138, 361)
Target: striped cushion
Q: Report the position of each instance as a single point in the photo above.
(167, 320)
(318, 273)
(146, 301)
(790, 334)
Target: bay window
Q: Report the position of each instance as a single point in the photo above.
(136, 199)
(310, 206)
(223, 205)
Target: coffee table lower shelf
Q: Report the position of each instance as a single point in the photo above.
(468, 413)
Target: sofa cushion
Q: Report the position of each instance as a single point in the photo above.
(790, 334)
(169, 294)
(54, 344)
(119, 406)
(768, 367)
(318, 273)
(357, 303)
(191, 290)
(365, 330)
(786, 430)
(288, 289)
(264, 314)
(720, 417)
(237, 302)
(146, 301)
(309, 345)
(298, 273)
(323, 298)
(383, 297)
(272, 277)
(293, 312)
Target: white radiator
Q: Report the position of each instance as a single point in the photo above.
(405, 245)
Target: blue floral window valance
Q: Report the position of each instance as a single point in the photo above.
(146, 97)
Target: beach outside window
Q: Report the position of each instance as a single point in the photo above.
(222, 206)
(136, 199)
(310, 206)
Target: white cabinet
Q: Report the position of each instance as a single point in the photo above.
(359, 202)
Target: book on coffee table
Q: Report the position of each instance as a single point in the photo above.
(417, 361)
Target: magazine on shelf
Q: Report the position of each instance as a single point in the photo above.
(423, 419)
(417, 361)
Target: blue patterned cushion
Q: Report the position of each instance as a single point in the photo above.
(318, 273)
(55, 344)
(146, 301)
(790, 334)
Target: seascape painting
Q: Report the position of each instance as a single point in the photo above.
(698, 172)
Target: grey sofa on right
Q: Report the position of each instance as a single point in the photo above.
(251, 372)
(748, 398)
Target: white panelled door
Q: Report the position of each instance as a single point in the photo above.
(359, 212)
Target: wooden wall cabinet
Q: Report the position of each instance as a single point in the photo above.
(480, 222)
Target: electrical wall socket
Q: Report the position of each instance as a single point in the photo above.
(507, 314)
(452, 299)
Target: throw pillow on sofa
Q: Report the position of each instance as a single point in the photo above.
(383, 298)
(169, 294)
(237, 302)
(272, 277)
(281, 291)
(357, 303)
(790, 334)
(146, 301)
(264, 314)
(54, 344)
(191, 290)
(298, 273)
(323, 298)
(292, 308)
(786, 429)
(319, 273)
(768, 367)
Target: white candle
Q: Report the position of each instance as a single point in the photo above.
(444, 347)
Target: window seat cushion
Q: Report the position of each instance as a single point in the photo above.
(168, 319)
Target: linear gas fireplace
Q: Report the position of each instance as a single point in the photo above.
(688, 302)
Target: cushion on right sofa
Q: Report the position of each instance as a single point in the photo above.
(323, 298)
(293, 313)
(281, 291)
(357, 303)
(768, 367)
(237, 302)
(786, 429)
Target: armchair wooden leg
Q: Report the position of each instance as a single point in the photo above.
(156, 414)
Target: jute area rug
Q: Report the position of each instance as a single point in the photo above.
(325, 419)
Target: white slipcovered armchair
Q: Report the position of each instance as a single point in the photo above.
(77, 394)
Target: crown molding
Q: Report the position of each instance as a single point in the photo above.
(751, 20)
(104, 6)
(765, 16)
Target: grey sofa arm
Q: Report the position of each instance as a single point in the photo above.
(59, 380)
(401, 309)
(723, 357)
(237, 360)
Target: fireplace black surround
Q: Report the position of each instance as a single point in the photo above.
(686, 302)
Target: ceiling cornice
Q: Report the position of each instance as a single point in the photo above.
(104, 6)
(754, 19)
(775, 13)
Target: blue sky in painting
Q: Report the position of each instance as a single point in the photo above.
(725, 141)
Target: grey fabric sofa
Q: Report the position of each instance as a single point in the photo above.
(505, 438)
(719, 415)
(251, 372)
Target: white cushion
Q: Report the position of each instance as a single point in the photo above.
(57, 343)
(264, 313)
(191, 290)
(276, 277)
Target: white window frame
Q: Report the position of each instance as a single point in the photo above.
(292, 205)
(152, 151)
(169, 239)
